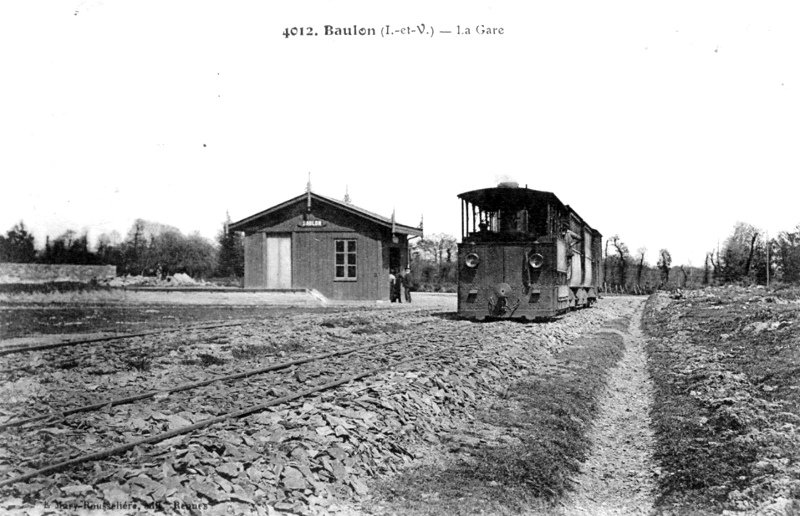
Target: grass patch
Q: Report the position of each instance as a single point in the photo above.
(140, 363)
(51, 287)
(556, 410)
(390, 327)
(252, 351)
(205, 360)
(346, 322)
(360, 325)
(68, 364)
(437, 287)
(547, 418)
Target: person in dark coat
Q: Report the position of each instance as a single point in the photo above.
(394, 290)
(408, 284)
(392, 281)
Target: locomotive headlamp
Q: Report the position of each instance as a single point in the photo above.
(472, 260)
(502, 290)
(536, 260)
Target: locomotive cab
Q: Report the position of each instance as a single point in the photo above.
(523, 254)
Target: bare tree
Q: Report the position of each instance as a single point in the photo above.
(137, 245)
(438, 247)
(664, 263)
(640, 266)
(750, 254)
(622, 251)
(714, 264)
(438, 251)
(605, 262)
(686, 275)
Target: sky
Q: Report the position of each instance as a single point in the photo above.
(662, 122)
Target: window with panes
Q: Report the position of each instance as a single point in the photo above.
(346, 260)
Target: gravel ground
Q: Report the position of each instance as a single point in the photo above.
(619, 476)
(228, 297)
(164, 297)
(315, 456)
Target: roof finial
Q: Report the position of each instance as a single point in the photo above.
(421, 218)
(394, 228)
(308, 194)
(347, 195)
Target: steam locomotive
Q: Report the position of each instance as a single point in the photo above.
(524, 255)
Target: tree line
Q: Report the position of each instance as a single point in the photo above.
(747, 256)
(148, 249)
(433, 262)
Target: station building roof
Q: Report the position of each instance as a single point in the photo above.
(258, 220)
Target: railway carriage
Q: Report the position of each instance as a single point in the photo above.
(524, 255)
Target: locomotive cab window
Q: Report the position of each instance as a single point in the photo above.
(345, 260)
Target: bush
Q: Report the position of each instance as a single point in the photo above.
(437, 287)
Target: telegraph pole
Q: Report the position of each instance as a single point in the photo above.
(767, 259)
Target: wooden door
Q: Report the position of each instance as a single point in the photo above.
(279, 262)
(254, 258)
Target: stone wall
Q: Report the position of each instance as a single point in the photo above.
(44, 273)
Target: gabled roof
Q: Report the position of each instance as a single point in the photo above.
(402, 229)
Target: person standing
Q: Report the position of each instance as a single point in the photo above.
(396, 288)
(392, 284)
(408, 284)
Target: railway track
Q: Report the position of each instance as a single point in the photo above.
(305, 377)
(66, 355)
(10, 350)
(71, 353)
(289, 439)
(109, 382)
(7, 349)
(20, 421)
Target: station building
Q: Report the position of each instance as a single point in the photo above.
(312, 241)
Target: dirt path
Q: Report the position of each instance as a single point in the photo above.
(619, 476)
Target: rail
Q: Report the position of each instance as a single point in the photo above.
(192, 385)
(60, 466)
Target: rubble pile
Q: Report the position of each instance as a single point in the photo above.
(176, 280)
